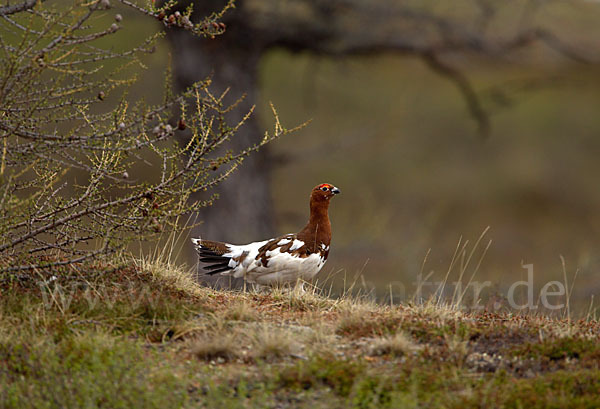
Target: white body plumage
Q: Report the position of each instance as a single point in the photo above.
(281, 267)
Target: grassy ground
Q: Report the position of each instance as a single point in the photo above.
(147, 336)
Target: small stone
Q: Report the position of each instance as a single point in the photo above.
(114, 27)
(118, 18)
(125, 175)
(105, 3)
(122, 126)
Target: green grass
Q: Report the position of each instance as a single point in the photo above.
(88, 370)
(147, 336)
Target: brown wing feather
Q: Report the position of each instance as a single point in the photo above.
(214, 246)
(306, 250)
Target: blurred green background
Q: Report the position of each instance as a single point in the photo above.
(397, 139)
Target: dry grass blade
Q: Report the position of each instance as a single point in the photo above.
(210, 348)
(270, 343)
(395, 345)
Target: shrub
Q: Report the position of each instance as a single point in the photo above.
(84, 169)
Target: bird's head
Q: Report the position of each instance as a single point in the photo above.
(323, 192)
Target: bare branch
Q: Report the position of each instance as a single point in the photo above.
(464, 86)
(356, 27)
(17, 8)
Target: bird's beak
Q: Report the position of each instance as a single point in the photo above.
(335, 191)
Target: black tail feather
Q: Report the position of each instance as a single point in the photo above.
(217, 271)
(211, 267)
(215, 262)
(212, 259)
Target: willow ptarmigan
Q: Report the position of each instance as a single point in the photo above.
(281, 260)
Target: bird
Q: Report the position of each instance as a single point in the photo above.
(281, 260)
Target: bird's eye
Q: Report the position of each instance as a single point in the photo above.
(324, 188)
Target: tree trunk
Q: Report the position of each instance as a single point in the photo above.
(244, 211)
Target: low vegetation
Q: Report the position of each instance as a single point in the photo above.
(146, 335)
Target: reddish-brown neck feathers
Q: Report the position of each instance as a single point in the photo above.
(318, 229)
